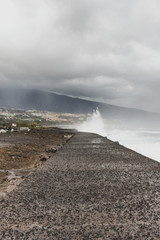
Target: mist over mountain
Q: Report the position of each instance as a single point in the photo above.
(48, 101)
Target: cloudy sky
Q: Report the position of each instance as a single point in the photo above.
(105, 50)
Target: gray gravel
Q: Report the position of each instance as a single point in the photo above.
(92, 188)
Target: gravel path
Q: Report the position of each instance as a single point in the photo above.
(92, 188)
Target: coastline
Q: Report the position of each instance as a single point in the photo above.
(92, 188)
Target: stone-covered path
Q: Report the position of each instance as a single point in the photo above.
(92, 188)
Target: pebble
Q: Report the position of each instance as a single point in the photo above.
(92, 188)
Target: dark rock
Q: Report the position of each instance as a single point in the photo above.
(51, 150)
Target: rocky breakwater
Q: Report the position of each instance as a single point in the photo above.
(92, 188)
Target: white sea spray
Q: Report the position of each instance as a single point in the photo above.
(142, 141)
(94, 124)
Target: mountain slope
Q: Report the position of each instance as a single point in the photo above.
(47, 101)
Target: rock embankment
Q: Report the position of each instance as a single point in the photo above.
(92, 188)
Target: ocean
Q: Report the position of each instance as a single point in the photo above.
(143, 141)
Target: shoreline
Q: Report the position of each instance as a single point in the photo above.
(133, 140)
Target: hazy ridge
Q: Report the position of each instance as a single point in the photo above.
(42, 100)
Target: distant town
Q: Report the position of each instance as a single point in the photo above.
(16, 118)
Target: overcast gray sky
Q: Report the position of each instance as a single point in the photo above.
(106, 50)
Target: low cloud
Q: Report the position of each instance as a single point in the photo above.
(100, 49)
